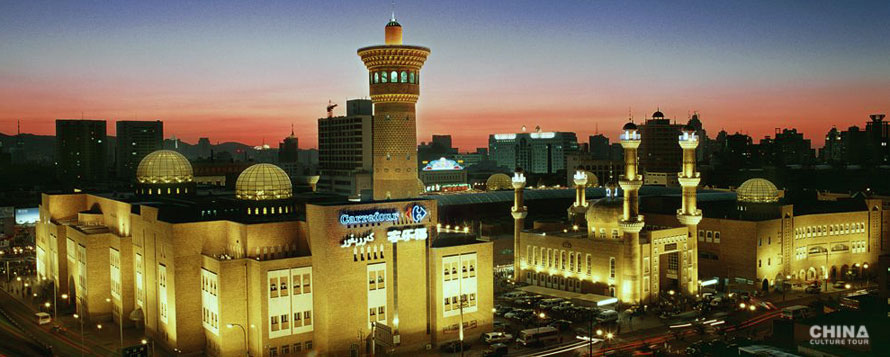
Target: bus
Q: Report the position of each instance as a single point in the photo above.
(795, 312)
(540, 335)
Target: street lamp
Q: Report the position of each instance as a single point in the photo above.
(865, 271)
(243, 331)
(82, 347)
(145, 341)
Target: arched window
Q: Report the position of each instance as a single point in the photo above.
(376, 77)
(404, 77)
(383, 77)
(411, 77)
(394, 77)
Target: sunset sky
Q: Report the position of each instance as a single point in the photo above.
(246, 70)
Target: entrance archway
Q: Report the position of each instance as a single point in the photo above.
(765, 285)
(811, 274)
(833, 273)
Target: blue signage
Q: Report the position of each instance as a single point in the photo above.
(417, 213)
(369, 216)
(414, 213)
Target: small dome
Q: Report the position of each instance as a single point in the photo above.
(658, 114)
(164, 166)
(629, 126)
(499, 182)
(604, 212)
(262, 182)
(393, 22)
(757, 190)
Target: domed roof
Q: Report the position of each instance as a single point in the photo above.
(757, 190)
(393, 22)
(658, 114)
(164, 166)
(629, 126)
(604, 211)
(499, 182)
(263, 182)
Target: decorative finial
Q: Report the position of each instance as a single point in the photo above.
(291, 129)
(393, 18)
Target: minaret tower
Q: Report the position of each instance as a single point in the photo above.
(689, 215)
(579, 208)
(394, 78)
(519, 212)
(631, 221)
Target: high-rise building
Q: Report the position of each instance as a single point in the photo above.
(394, 80)
(438, 148)
(659, 154)
(344, 150)
(81, 150)
(879, 139)
(135, 139)
(204, 150)
(787, 148)
(288, 149)
(537, 152)
(599, 147)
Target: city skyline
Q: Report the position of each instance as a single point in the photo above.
(216, 72)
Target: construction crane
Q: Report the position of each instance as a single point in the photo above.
(331, 109)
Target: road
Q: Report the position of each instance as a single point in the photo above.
(23, 332)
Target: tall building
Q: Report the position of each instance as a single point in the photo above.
(879, 138)
(288, 149)
(659, 154)
(135, 139)
(204, 151)
(394, 80)
(81, 150)
(439, 147)
(787, 148)
(537, 152)
(599, 147)
(345, 150)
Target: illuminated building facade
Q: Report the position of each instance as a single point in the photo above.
(443, 175)
(748, 240)
(265, 270)
(345, 148)
(538, 152)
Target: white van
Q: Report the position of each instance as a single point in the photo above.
(795, 312)
(43, 318)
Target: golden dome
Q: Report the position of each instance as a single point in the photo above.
(757, 190)
(498, 182)
(164, 166)
(605, 211)
(263, 182)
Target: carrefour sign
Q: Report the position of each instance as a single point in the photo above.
(413, 213)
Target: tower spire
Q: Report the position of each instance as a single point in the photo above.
(291, 129)
(393, 8)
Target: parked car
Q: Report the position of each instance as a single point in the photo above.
(499, 325)
(42, 318)
(495, 350)
(549, 303)
(496, 337)
(812, 289)
(453, 346)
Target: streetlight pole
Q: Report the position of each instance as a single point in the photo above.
(82, 346)
(865, 271)
(244, 332)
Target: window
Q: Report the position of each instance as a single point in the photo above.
(394, 77)
(447, 272)
(376, 77)
(372, 314)
(380, 274)
(447, 304)
(759, 263)
(285, 350)
(612, 267)
(297, 285)
(298, 319)
(411, 77)
(284, 324)
(701, 236)
(306, 288)
(716, 237)
(283, 286)
(383, 77)
(308, 345)
(588, 264)
(307, 318)
(274, 323)
(381, 313)
(614, 234)
(372, 280)
(404, 78)
(298, 347)
(646, 265)
(562, 260)
(273, 351)
(273, 287)
(709, 237)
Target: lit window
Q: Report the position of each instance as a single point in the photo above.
(612, 268)
(394, 77)
(383, 77)
(307, 318)
(404, 77)
(376, 77)
(411, 77)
